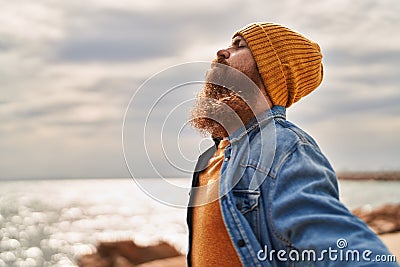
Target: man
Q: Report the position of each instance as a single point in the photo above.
(265, 195)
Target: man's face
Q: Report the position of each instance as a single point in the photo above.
(223, 104)
(238, 56)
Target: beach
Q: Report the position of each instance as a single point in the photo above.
(55, 222)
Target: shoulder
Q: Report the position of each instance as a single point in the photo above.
(293, 142)
(288, 132)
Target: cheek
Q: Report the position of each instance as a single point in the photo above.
(249, 67)
(245, 63)
(251, 63)
(251, 70)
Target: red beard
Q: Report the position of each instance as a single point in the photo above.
(221, 107)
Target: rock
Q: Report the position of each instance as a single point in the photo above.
(126, 254)
(384, 219)
(120, 261)
(94, 260)
(179, 261)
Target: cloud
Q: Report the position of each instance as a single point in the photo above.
(129, 34)
(68, 70)
(120, 36)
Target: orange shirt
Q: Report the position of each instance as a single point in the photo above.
(211, 245)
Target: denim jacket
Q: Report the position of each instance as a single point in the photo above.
(280, 202)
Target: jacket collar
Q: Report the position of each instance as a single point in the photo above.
(259, 120)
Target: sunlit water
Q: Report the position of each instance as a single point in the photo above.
(52, 222)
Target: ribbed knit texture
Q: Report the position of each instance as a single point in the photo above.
(289, 64)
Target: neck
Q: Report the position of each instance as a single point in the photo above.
(264, 103)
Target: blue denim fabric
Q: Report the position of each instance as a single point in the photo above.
(279, 192)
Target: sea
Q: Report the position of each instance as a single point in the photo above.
(53, 222)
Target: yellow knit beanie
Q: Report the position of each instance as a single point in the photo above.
(289, 64)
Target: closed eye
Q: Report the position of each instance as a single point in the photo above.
(239, 43)
(236, 42)
(242, 44)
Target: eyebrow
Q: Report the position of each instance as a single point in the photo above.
(236, 41)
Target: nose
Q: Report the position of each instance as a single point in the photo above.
(223, 53)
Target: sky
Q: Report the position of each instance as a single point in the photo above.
(68, 70)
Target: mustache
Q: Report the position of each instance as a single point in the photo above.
(220, 60)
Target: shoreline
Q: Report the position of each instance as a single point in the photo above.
(369, 175)
(342, 175)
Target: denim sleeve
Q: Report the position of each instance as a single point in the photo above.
(308, 217)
